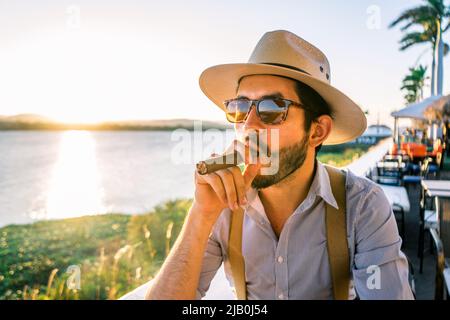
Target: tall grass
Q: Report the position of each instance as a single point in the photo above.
(114, 253)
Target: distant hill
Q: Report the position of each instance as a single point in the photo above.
(25, 117)
(37, 122)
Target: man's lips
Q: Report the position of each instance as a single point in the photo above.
(254, 154)
(252, 148)
(248, 153)
(262, 148)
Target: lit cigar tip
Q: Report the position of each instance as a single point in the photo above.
(202, 168)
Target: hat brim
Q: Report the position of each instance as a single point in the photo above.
(219, 83)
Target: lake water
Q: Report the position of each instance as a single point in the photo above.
(52, 175)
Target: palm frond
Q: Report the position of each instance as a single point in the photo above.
(420, 13)
(414, 82)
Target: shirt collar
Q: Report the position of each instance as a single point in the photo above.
(319, 187)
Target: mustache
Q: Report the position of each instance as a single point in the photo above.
(259, 146)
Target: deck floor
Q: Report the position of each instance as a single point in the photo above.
(424, 282)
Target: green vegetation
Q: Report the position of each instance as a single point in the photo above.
(413, 84)
(342, 155)
(115, 253)
(426, 24)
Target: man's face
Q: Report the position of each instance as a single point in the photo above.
(293, 141)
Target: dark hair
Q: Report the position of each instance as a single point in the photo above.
(311, 99)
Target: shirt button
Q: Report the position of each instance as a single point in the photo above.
(281, 296)
(280, 259)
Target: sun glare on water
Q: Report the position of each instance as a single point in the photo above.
(75, 183)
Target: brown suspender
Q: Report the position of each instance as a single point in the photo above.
(235, 254)
(335, 221)
(337, 246)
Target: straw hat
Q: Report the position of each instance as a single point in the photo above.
(285, 54)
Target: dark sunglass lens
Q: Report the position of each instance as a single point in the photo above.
(237, 110)
(272, 111)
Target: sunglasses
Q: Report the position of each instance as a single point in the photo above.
(269, 111)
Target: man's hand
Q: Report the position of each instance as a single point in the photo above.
(179, 276)
(223, 189)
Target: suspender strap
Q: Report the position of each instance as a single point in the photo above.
(235, 254)
(337, 245)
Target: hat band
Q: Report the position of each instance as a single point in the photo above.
(286, 66)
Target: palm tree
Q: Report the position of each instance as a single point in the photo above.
(431, 17)
(413, 84)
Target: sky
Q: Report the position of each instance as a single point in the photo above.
(99, 60)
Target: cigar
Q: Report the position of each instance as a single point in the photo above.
(232, 157)
(225, 161)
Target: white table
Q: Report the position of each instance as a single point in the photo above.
(218, 290)
(439, 190)
(397, 196)
(436, 186)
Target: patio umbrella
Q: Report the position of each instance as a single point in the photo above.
(416, 110)
(439, 110)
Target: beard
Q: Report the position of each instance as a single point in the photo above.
(290, 159)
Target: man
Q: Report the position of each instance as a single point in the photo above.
(284, 239)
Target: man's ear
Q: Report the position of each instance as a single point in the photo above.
(320, 130)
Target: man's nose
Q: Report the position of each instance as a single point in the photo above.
(253, 121)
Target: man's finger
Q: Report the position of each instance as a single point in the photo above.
(230, 188)
(216, 183)
(250, 172)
